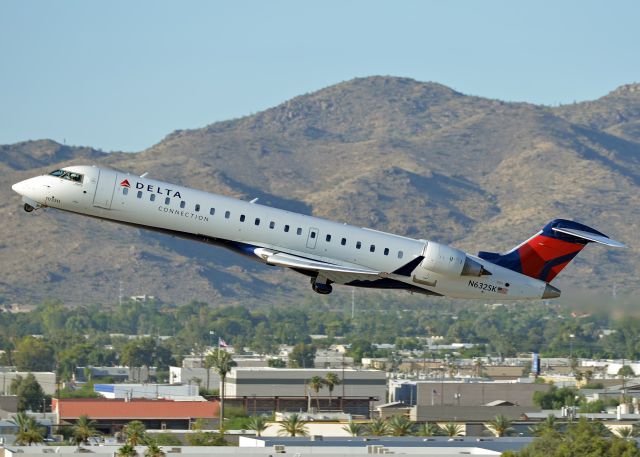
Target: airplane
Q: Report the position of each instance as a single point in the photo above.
(327, 252)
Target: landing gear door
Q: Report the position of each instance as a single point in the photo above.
(312, 239)
(105, 188)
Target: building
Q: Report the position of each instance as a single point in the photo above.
(188, 392)
(46, 379)
(283, 382)
(111, 415)
(195, 376)
(115, 374)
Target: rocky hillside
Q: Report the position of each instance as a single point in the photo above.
(394, 154)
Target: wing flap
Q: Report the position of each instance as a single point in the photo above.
(336, 273)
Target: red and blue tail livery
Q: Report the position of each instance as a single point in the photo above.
(545, 254)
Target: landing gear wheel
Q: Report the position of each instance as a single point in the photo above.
(322, 289)
(28, 208)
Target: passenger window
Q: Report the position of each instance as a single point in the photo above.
(272, 224)
(242, 218)
(152, 197)
(139, 194)
(257, 221)
(343, 241)
(125, 190)
(197, 208)
(386, 251)
(372, 248)
(358, 245)
(328, 238)
(400, 254)
(167, 201)
(182, 204)
(227, 214)
(299, 231)
(212, 211)
(313, 234)
(286, 228)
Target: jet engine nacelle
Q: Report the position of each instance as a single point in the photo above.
(448, 261)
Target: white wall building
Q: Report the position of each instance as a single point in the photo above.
(292, 382)
(197, 376)
(171, 392)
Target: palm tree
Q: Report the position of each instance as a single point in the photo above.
(331, 380)
(127, 451)
(378, 427)
(550, 424)
(257, 424)
(316, 383)
(353, 429)
(399, 425)
(451, 429)
(29, 432)
(83, 429)
(478, 368)
(293, 426)
(428, 429)
(222, 362)
(135, 433)
(500, 426)
(153, 450)
(624, 432)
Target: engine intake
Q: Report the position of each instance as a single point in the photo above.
(448, 261)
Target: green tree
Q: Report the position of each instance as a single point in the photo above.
(293, 426)
(331, 380)
(353, 428)
(451, 429)
(500, 426)
(378, 427)
(29, 432)
(428, 429)
(135, 433)
(316, 383)
(276, 363)
(400, 425)
(222, 362)
(30, 395)
(258, 424)
(302, 356)
(83, 429)
(127, 451)
(153, 450)
(33, 354)
(550, 424)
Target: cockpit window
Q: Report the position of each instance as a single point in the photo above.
(64, 174)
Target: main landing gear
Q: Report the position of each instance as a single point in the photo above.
(320, 287)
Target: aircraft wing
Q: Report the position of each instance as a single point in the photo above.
(336, 273)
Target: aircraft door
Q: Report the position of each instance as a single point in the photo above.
(312, 239)
(104, 189)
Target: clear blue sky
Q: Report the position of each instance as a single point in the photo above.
(120, 75)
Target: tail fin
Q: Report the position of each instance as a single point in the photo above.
(545, 254)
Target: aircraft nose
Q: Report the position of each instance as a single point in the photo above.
(20, 187)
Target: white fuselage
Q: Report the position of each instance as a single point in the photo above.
(251, 228)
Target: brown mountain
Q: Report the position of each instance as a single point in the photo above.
(390, 153)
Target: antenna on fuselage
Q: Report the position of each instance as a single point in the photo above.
(144, 174)
(254, 200)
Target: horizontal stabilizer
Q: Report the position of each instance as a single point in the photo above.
(590, 236)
